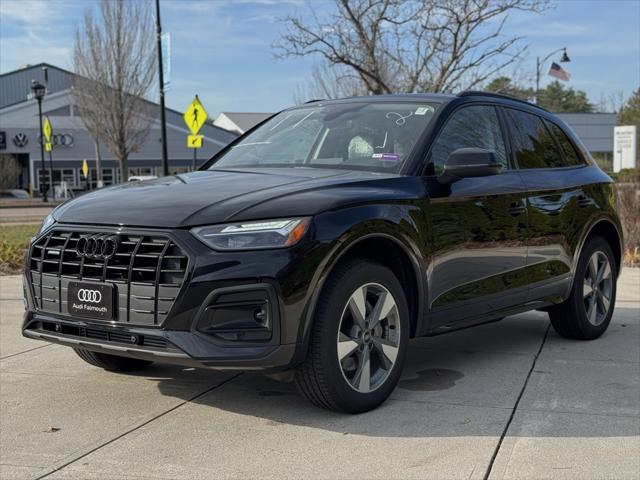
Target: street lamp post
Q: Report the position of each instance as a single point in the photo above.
(163, 121)
(38, 92)
(539, 63)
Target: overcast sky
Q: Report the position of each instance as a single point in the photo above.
(222, 49)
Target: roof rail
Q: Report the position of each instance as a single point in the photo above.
(477, 93)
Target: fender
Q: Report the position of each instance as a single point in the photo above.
(603, 217)
(341, 247)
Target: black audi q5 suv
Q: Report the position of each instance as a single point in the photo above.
(326, 237)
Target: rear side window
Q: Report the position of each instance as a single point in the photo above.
(532, 141)
(535, 146)
(470, 127)
(571, 158)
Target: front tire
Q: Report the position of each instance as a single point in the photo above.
(359, 339)
(586, 314)
(112, 363)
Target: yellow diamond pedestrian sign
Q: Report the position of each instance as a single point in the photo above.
(195, 116)
(194, 141)
(47, 129)
(85, 168)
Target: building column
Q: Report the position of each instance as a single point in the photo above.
(32, 175)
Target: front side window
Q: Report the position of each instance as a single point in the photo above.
(377, 136)
(469, 127)
(534, 145)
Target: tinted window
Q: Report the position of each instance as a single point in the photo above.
(534, 145)
(469, 127)
(571, 157)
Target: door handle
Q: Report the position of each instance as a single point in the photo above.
(516, 208)
(583, 201)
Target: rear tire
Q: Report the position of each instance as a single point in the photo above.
(359, 339)
(586, 314)
(111, 363)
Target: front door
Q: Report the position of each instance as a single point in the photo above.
(478, 226)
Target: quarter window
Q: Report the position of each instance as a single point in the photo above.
(533, 143)
(469, 127)
(571, 158)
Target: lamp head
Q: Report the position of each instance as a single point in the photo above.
(38, 89)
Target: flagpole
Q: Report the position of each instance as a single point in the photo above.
(537, 79)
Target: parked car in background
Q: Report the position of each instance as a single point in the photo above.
(14, 193)
(327, 237)
(141, 178)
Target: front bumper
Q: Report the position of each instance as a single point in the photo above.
(208, 324)
(158, 345)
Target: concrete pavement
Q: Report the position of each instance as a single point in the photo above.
(505, 400)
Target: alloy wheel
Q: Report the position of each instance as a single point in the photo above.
(597, 288)
(368, 337)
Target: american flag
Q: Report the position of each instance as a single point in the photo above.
(558, 72)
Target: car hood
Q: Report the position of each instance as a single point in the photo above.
(217, 196)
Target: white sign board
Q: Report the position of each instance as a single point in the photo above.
(625, 147)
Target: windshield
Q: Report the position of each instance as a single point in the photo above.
(364, 136)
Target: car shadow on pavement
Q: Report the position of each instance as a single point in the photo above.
(461, 384)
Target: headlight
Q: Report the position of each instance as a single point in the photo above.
(47, 222)
(253, 235)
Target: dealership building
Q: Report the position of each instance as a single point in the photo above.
(20, 159)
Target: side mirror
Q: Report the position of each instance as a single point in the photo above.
(470, 162)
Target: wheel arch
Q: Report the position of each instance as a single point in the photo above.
(608, 229)
(400, 257)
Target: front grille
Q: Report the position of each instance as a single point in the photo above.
(147, 271)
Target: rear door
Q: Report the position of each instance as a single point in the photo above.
(478, 226)
(558, 207)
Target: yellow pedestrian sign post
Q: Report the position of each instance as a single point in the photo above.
(195, 117)
(85, 168)
(194, 141)
(46, 131)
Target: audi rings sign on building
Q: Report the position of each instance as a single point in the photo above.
(89, 296)
(100, 247)
(60, 139)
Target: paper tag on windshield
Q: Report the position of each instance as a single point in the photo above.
(423, 110)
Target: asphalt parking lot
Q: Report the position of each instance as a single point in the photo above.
(505, 400)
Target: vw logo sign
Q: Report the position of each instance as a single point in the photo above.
(20, 140)
(89, 296)
(100, 247)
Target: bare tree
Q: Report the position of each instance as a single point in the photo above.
(393, 46)
(9, 171)
(611, 102)
(331, 81)
(115, 62)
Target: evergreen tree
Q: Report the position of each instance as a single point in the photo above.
(506, 86)
(558, 99)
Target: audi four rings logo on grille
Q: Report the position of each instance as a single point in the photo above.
(101, 247)
(89, 296)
